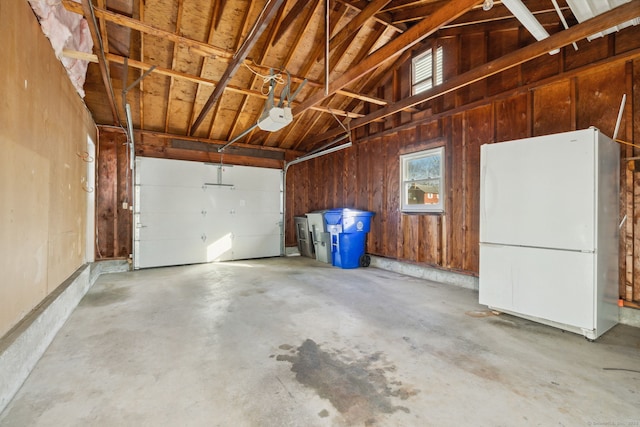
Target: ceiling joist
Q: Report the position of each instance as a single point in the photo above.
(86, 8)
(623, 13)
(265, 17)
(391, 50)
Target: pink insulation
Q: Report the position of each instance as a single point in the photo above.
(65, 30)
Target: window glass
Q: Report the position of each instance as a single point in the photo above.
(423, 181)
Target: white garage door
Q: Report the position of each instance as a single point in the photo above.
(190, 212)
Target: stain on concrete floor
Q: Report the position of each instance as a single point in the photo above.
(358, 389)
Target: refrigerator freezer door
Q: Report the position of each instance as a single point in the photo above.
(548, 284)
(540, 192)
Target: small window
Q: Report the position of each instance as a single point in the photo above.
(423, 76)
(422, 178)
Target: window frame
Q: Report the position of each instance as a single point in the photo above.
(437, 66)
(422, 208)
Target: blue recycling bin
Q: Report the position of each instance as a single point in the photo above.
(348, 229)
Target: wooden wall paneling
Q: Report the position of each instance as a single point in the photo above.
(323, 182)
(552, 106)
(106, 196)
(362, 178)
(114, 197)
(626, 41)
(431, 130)
(376, 186)
(542, 67)
(388, 122)
(479, 131)
(511, 119)
(455, 216)
(626, 205)
(391, 209)
(168, 147)
(450, 65)
(313, 184)
(599, 98)
(429, 239)
(500, 43)
(297, 198)
(349, 175)
(337, 168)
(633, 180)
(409, 238)
(588, 52)
(124, 228)
(396, 91)
(473, 52)
(445, 218)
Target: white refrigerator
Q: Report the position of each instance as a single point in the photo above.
(549, 230)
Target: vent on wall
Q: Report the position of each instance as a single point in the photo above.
(586, 9)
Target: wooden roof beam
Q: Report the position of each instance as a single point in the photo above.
(254, 78)
(269, 12)
(200, 80)
(381, 17)
(102, 62)
(417, 13)
(499, 12)
(356, 23)
(174, 62)
(297, 10)
(306, 22)
(395, 47)
(218, 9)
(215, 15)
(198, 47)
(623, 13)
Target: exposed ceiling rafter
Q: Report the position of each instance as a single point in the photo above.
(599, 23)
(104, 66)
(395, 47)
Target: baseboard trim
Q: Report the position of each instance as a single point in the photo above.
(25, 343)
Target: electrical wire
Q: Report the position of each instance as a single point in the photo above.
(253, 29)
(266, 80)
(347, 129)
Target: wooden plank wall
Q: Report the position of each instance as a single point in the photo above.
(113, 196)
(569, 91)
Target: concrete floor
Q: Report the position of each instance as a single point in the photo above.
(292, 342)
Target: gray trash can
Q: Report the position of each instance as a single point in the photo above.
(305, 245)
(319, 235)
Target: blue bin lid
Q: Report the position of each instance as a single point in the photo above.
(333, 216)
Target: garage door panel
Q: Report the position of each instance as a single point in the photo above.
(216, 199)
(186, 216)
(258, 200)
(171, 199)
(162, 225)
(255, 225)
(259, 179)
(157, 253)
(177, 173)
(246, 247)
